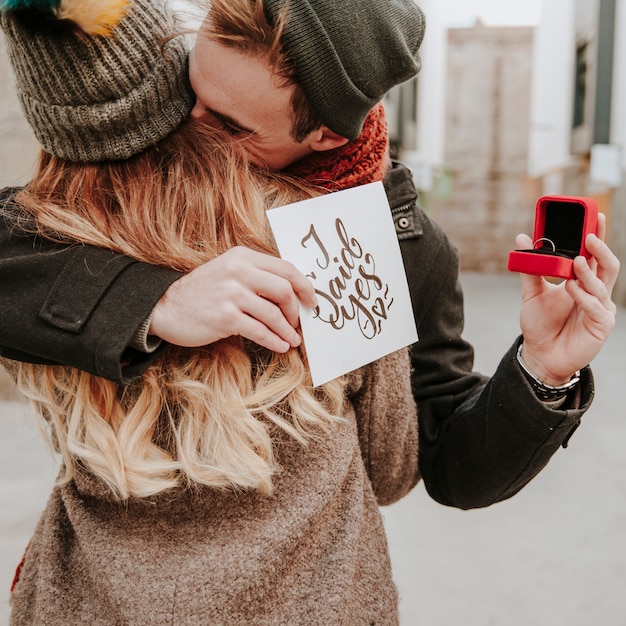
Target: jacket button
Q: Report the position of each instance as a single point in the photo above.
(404, 223)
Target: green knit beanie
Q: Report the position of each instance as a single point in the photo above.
(99, 94)
(349, 53)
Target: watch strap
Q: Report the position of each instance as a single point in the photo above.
(545, 392)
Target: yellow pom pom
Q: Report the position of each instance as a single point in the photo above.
(95, 17)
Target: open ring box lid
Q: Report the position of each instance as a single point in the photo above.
(561, 226)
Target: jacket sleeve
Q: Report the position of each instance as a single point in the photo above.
(72, 305)
(480, 440)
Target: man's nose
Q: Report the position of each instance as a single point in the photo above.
(198, 112)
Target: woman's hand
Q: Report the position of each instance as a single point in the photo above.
(242, 292)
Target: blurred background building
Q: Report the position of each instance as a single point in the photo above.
(478, 192)
(18, 147)
(501, 115)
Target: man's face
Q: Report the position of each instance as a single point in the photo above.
(238, 93)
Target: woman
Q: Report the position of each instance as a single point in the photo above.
(221, 487)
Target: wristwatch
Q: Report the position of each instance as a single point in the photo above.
(546, 393)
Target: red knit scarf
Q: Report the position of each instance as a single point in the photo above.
(362, 160)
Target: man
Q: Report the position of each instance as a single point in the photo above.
(480, 441)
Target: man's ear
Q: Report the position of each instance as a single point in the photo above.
(325, 139)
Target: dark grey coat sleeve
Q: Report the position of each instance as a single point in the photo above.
(481, 440)
(73, 305)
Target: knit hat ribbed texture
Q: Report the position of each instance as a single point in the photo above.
(91, 97)
(349, 53)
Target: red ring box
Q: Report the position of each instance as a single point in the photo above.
(561, 225)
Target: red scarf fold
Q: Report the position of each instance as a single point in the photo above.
(360, 161)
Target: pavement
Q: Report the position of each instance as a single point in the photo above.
(553, 555)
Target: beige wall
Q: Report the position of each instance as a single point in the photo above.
(18, 147)
(486, 144)
(18, 150)
(7, 388)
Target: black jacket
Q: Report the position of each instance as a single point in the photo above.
(481, 440)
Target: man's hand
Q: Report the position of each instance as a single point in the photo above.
(566, 325)
(242, 292)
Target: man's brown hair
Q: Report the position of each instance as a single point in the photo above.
(244, 26)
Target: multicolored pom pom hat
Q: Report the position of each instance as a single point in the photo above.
(97, 80)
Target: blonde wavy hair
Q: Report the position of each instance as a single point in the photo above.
(204, 416)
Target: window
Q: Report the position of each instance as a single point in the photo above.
(580, 86)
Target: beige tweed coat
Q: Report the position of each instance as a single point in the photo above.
(312, 554)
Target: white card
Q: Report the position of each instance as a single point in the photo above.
(346, 243)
